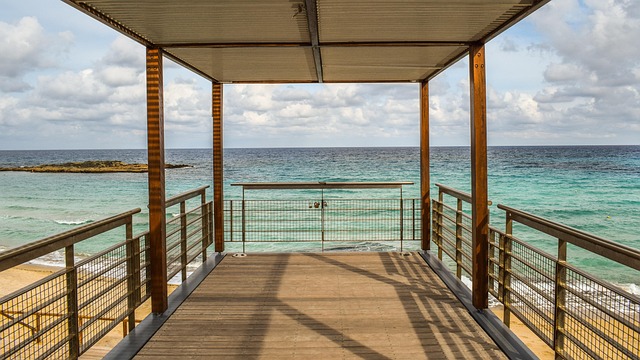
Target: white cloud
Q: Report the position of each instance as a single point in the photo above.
(557, 77)
(25, 47)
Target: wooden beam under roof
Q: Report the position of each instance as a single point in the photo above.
(305, 44)
(176, 27)
(312, 19)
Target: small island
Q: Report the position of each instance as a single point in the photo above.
(108, 166)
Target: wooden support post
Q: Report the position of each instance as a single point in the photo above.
(479, 187)
(218, 199)
(425, 183)
(157, 210)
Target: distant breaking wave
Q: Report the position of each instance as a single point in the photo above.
(73, 222)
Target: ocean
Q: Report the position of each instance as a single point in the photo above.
(592, 188)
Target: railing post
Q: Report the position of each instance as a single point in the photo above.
(133, 273)
(507, 244)
(459, 239)
(560, 299)
(439, 225)
(210, 223)
(492, 255)
(401, 224)
(72, 303)
(204, 211)
(231, 220)
(322, 219)
(148, 271)
(413, 222)
(183, 239)
(244, 224)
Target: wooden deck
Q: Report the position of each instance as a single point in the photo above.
(323, 306)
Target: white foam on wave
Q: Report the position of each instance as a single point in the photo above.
(632, 288)
(72, 222)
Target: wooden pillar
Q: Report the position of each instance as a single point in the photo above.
(425, 183)
(218, 199)
(157, 210)
(479, 188)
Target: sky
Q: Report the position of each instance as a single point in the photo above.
(567, 75)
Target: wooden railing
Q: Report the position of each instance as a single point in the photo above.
(317, 218)
(324, 223)
(577, 314)
(89, 296)
(190, 233)
(67, 312)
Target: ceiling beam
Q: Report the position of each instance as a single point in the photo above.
(532, 6)
(312, 20)
(105, 19)
(212, 45)
(188, 66)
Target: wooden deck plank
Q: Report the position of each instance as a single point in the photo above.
(343, 306)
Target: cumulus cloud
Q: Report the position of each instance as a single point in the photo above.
(596, 75)
(573, 70)
(322, 115)
(26, 47)
(586, 57)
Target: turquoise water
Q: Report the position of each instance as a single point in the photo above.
(595, 189)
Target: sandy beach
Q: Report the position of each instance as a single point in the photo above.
(527, 336)
(21, 276)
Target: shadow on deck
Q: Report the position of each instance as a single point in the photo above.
(331, 305)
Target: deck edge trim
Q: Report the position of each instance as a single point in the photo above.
(504, 338)
(140, 336)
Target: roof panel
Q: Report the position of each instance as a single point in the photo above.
(220, 21)
(292, 64)
(354, 64)
(284, 41)
(411, 20)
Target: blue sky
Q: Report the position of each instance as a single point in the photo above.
(569, 74)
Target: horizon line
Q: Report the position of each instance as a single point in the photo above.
(335, 147)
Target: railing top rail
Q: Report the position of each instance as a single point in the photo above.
(323, 185)
(617, 252)
(176, 199)
(34, 250)
(455, 193)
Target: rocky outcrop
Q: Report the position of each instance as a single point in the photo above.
(109, 166)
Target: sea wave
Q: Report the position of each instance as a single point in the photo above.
(73, 222)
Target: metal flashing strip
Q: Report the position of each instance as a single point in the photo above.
(506, 340)
(138, 337)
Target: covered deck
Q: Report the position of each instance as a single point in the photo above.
(380, 305)
(322, 305)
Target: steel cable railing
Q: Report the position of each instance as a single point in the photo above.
(577, 314)
(67, 312)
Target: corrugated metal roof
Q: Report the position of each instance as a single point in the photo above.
(311, 40)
